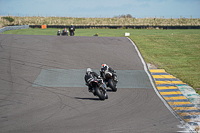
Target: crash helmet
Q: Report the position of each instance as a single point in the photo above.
(88, 70)
(103, 65)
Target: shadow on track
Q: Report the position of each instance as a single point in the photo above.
(87, 98)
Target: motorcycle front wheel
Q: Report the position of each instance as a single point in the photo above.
(112, 85)
(100, 93)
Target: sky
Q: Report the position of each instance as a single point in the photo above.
(102, 8)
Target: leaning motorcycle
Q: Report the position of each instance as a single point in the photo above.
(99, 89)
(109, 80)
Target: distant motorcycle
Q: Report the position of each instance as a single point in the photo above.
(109, 81)
(64, 33)
(71, 30)
(71, 33)
(99, 89)
(58, 33)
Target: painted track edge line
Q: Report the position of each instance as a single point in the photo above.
(155, 89)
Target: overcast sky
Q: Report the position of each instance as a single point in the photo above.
(102, 8)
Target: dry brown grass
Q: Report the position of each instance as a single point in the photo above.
(100, 21)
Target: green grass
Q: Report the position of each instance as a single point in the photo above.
(178, 54)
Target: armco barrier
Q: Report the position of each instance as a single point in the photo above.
(14, 28)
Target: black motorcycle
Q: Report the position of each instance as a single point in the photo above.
(71, 33)
(71, 30)
(99, 89)
(109, 81)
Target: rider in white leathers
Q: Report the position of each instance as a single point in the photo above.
(106, 69)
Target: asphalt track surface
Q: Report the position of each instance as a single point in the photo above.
(25, 107)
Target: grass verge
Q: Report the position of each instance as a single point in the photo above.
(178, 54)
(176, 51)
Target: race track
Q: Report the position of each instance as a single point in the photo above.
(42, 87)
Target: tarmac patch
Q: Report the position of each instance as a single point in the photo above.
(75, 78)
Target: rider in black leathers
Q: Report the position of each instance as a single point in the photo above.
(106, 68)
(90, 74)
(71, 30)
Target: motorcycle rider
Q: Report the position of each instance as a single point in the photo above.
(71, 30)
(58, 33)
(89, 76)
(105, 69)
(65, 32)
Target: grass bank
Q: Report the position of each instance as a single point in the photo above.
(162, 21)
(176, 51)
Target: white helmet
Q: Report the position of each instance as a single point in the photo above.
(103, 65)
(88, 70)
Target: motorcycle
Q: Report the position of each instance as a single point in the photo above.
(64, 33)
(109, 81)
(58, 33)
(99, 89)
(71, 33)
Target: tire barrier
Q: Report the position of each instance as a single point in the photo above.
(100, 27)
(117, 27)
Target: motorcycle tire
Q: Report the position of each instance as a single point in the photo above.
(112, 85)
(72, 33)
(100, 93)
